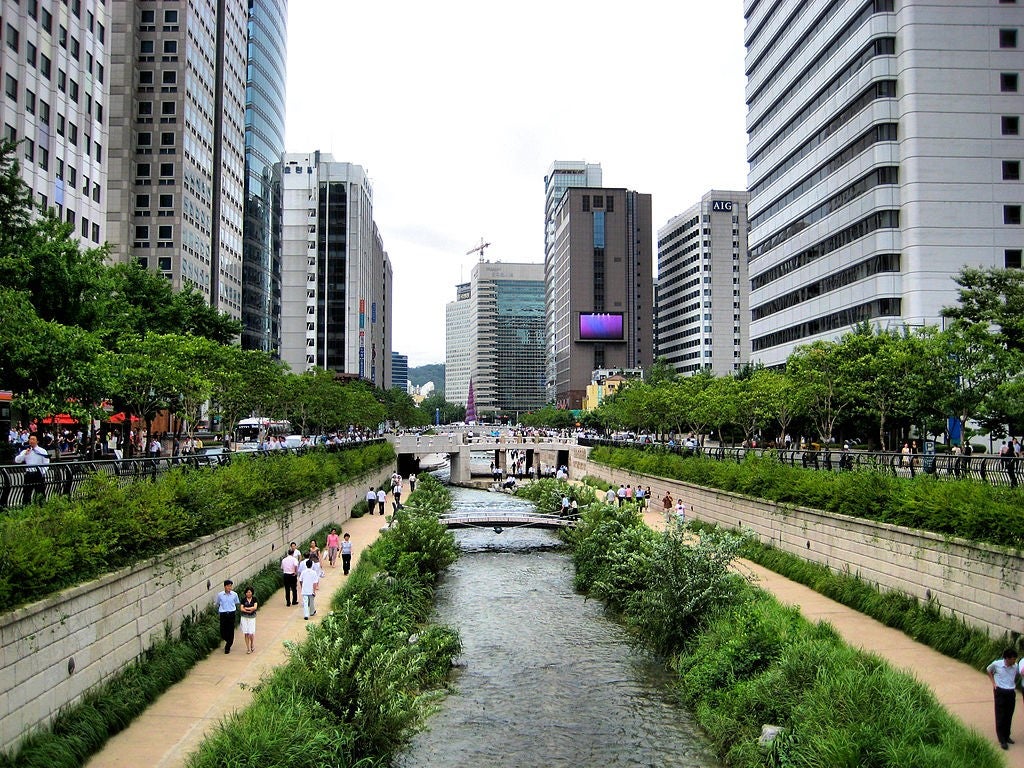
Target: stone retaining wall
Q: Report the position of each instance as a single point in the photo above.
(104, 625)
(981, 583)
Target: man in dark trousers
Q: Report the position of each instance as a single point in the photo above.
(1004, 675)
(227, 604)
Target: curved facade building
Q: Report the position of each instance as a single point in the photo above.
(264, 144)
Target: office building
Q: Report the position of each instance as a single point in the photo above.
(336, 279)
(264, 143)
(599, 280)
(560, 176)
(56, 71)
(457, 346)
(884, 149)
(703, 290)
(507, 339)
(177, 142)
(399, 371)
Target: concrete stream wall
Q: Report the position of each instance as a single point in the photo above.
(54, 651)
(981, 583)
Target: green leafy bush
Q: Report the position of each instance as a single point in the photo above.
(109, 527)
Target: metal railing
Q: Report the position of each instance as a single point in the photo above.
(994, 470)
(66, 477)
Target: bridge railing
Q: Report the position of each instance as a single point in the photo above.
(995, 470)
(66, 477)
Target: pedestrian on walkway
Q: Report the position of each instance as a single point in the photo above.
(249, 607)
(35, 460)
(412, 482)
(371, 500)
(227, 604)
(333, 544)
(290, 576)
(310, 581)
(382, 497)
(1004, 675)
(346, 553)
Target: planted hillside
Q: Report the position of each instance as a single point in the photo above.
(367, 675)
(969, 509)
(743, 661)
(109, 527)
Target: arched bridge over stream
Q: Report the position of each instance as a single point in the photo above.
(499, 520)
(533, 455)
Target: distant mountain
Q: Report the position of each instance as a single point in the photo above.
(434, 372)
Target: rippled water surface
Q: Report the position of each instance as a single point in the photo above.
(545, 679)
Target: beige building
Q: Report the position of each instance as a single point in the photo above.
(177, 142)
(56, 70)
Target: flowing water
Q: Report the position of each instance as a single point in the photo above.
(544, 679)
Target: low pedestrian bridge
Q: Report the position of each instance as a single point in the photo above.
(501, 520)
(523, 456)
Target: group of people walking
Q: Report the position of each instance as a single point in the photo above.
(301, 573)
(376, 498)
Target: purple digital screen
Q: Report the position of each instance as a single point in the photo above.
(603, 326)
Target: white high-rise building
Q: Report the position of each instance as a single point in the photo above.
(884, 149)
(336, 278)
(457, 346)
(703, 289)
(56, 71)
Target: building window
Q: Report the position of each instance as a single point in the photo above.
(13, 39)
(170, 47)
(170, 77)
(170, 17)
(146, 47)
(1008, 82)
(166, 169)
(145, 77)
(166, 139)
(1010, 125)
(1007, 38)
(164, 232)
(95, 233)
(11, 87)
(145, 139)
(44, 65)
(30, 101)
(141, 201)
(1011, 170)
(46, 20)
(1012, 258)
(147, 17)
(1011, 214)
(168, 108)
(166, 201)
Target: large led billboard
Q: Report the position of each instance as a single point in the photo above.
(601, 326)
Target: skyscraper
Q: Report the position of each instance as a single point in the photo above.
(507, 338)
(703, 291)
(177, 142)
(884, 149)
(600, 288)
(336, 278)
(264, 143)
(457, 346)
(56, 70)
(560, 176)
(400, 371)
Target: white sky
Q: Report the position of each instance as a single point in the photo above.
(456, 109)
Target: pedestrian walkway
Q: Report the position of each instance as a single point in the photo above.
(176, 723)
(964, 691)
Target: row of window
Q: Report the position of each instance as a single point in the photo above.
(39, 13)
(837, 320)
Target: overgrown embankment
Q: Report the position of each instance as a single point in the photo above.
(966, 508)
(743, 661)
(69, 541)
(363, 681)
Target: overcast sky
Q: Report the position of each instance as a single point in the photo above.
(457, 109)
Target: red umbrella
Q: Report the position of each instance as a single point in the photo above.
(118, 418)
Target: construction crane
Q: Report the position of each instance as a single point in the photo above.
(479, 249)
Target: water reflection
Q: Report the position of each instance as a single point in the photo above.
(546, 679)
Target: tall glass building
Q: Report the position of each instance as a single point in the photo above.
(264, 144)
(507, 338)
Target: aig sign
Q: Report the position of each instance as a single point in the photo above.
(721, 205)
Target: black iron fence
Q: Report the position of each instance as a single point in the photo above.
(65, 477)
(995, 470)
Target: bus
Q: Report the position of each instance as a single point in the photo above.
(255, 430)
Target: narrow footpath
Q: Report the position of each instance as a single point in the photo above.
(176, 723)
(964, 691)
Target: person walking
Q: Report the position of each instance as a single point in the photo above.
(1004, 675)
(412, 483)
(309, 579)
(249, 606)
(346, 553)
(333, 544)
(382, 497)
(227, 604)
(35, 460)
(290, 576)
(371, 500)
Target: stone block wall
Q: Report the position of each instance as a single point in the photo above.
(55, 650)
(980, 583)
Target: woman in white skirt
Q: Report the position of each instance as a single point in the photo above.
(249, 607)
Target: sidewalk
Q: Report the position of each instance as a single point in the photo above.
(964, 691)
(177, 722)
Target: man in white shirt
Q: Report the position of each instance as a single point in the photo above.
(309, 579)
(1004, 675)
(35, 460)
(290, 575)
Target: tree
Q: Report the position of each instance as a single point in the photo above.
(401, 409)
(248, 382)
(435, 406)
(818, 371)
(995, 298)
(16, 218)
